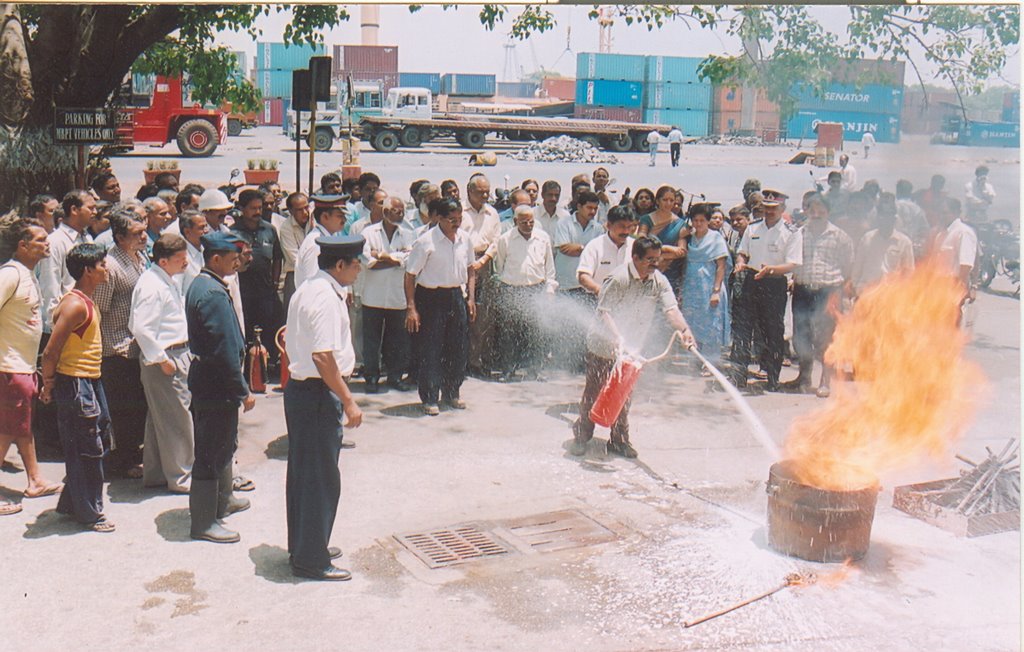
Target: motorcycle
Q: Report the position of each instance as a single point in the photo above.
(998, 253)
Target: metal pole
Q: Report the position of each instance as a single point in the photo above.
(298, 152)
(312, 123)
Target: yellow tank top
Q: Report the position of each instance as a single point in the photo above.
(83, 351)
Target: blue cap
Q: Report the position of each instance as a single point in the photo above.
(218, 241)
(342, 246)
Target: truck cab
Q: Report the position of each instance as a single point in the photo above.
(332, 120)
(160, 110)
(409, 102)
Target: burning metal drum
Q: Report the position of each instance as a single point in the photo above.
(818, 524)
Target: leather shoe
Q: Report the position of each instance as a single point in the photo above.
(621, 448)
(456, 404)
(823, 392)
(372, 387)
(431, 410)
(330, 574)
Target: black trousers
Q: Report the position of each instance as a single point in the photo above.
(215, 423)
(122, 380)
(519, 337)
(813, 323)
(84, 423)
(263, 310)
(760, 304)
(443, 342)
(673, 149)
(313, 415)
(384, 332)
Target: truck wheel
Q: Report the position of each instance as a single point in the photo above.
(234, 127)
(411, 137)
(323, 140)
(385, 141)
(639, 142)
(620, 143)
(474, 139)
(197, 138)
(592, 141)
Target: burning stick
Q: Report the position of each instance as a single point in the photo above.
(793, 579)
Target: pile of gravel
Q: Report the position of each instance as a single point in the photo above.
(562, 149)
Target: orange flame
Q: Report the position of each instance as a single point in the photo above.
(914, 393)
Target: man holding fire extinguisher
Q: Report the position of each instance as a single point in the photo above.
(626, 307)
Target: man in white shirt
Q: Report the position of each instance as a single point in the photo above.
(603, 255)
(159, 326)
(314, 399)
(956, 245)
(849, 174)
(653, 140)
(675, 144)
(771, 250)
(329, 218)
(572, 235)
(193, 226)
(377, 200)
(437, 268)
(547, 214)
(979, 194)
(867, 141)
(525, 268)
(54, 280)
(481, 223)
(388, 244)
(291, 231)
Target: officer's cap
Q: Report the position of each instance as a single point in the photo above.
(773, 197)
(329, 201)
(218, 241)
(342, 246)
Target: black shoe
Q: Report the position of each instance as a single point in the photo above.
(621, 448)
(330, 574)
(347, 444)
(372, 387)
(400, 386)
(578, 448)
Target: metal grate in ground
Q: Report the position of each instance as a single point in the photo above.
(558, 530)
(454, 545)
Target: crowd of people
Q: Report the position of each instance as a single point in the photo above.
(137, 313)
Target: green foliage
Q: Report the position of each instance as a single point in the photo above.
(213, 74)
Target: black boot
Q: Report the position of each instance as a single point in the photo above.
(227, 503)
(202, 505)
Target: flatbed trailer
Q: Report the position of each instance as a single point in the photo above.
(387, 133)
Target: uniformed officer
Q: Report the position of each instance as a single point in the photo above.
(329, 216)
(314, 399)
(218, 387)
(770, 249)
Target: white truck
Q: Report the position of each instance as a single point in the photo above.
(333, 124)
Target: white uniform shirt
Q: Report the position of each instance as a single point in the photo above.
(306, 265)
(385, 287)
(483, 227)
(569, 231)
(317, 323)
(602, 256)
(52, 271)
(777, 245)
(359, 226)
(546, 221)
(158, 315)
(958, 245)
(437, 262)
(524, 262)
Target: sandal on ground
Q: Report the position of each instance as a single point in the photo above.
(7, 508)
(242, 483)
(48, 490)
(102, 525)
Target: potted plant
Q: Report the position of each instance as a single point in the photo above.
(258, 171)
(156, 168)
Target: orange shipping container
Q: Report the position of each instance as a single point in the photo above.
(727, 122)
(730, 98)
(561, 89)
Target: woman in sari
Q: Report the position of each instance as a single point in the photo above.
(705, 301)
(671, 231)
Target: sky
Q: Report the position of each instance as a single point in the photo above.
(436, 40)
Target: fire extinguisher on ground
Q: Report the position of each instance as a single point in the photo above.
(619, 386)
(256, 364)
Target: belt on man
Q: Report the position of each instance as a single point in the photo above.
(177, 347)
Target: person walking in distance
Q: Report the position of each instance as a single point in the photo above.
(71, 379)
(22, 245)
(218, 387)
(675, 144)
(653, 140)
(314, 400)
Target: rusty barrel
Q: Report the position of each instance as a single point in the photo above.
(818, 524)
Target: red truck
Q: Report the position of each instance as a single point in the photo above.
(162, 116)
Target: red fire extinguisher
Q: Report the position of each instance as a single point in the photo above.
(279, 341)
(256, 361)
(616, 391)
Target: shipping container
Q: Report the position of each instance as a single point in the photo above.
(679, 70)
(387, 80)
(617, 67)
(365, 58)
(691, 123)
(559, 88)
(730, 98)
(885, 128)
(278, 56)
(870, 71)
(430, 80)
(273, 112)
(730, 122)
(1011, 99)
(671, 95)
(617, 113)
(468, 84)
(517, 89)
(604, 92)
(993, 134)
(274, 83)
(1011, 114)
(842, 97)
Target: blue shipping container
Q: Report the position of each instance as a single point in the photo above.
(467, 84)
(841, 97)
(691, 123)
(517, 89)
(619, 67)
(274, 83)
(662, 95)
(431, 80)
(278, 56)
(993, 134)
(681, 70)
(604, 92)
(885, 128)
